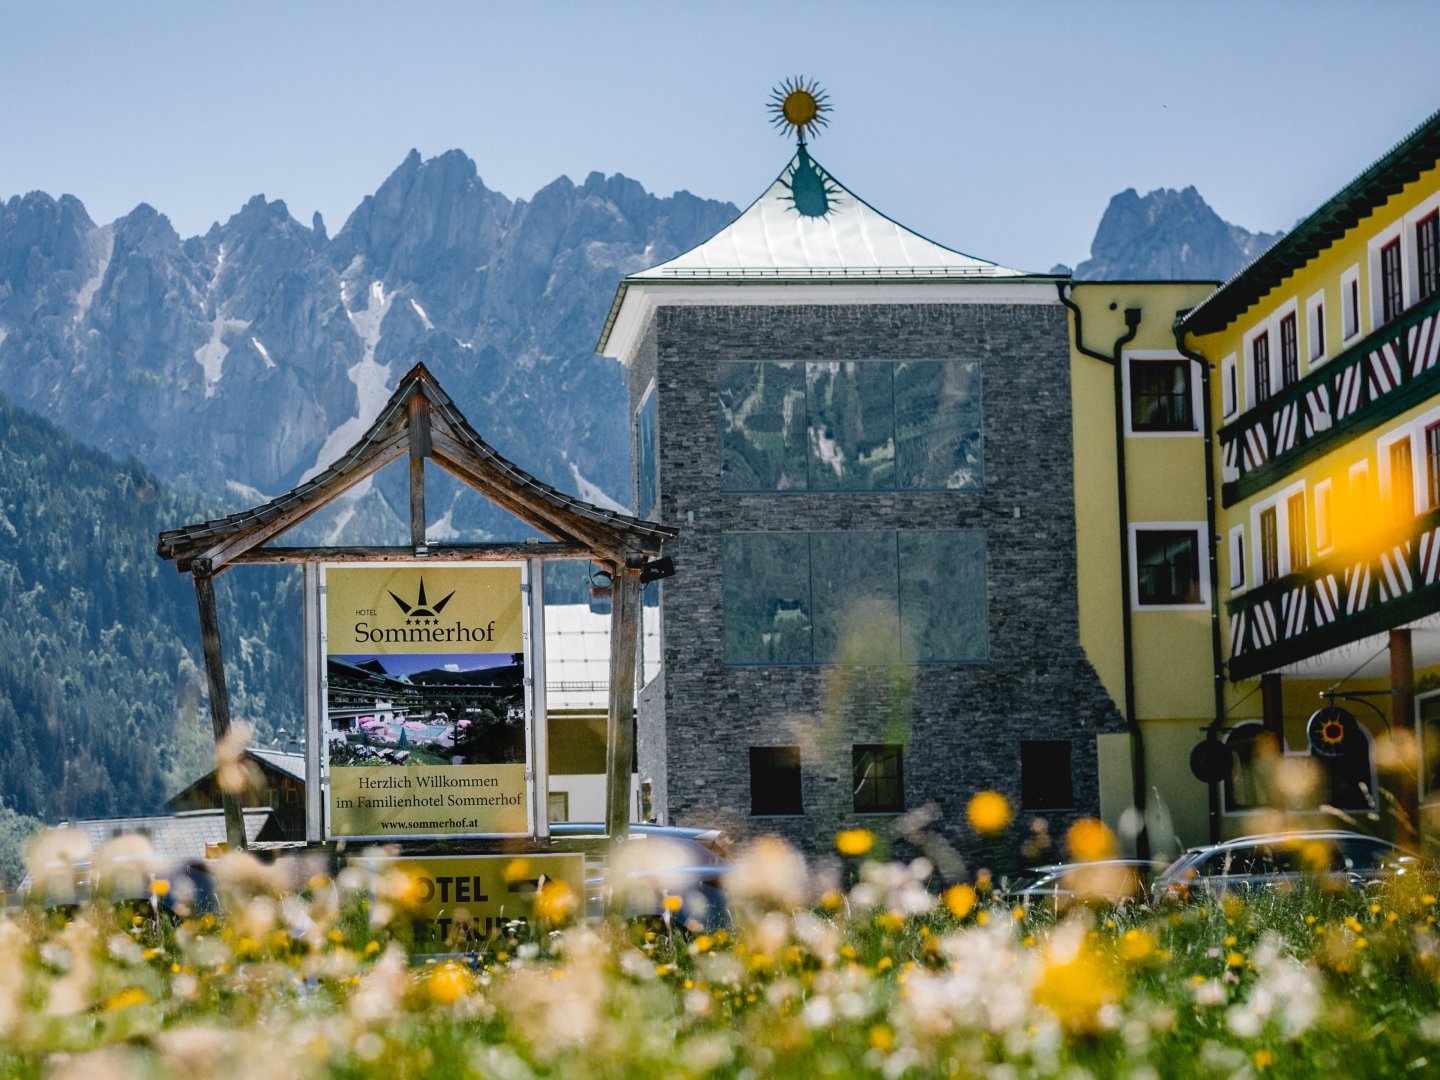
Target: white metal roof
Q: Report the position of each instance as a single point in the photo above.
(781, 236)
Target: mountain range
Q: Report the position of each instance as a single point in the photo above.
(158, 380)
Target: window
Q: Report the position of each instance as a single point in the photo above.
(1229, 386)
(1295, 521)
(1289, 351)
(1427, 255)
(1045, 780)
(1324, 535)
(1316, 322)
(1429, 708)
(775, 780)
(1237, 558)
(557, 806)
(1402, 481)
(1167, 567)
(1249, 744)
(914, 596)
(1160, 395)
(1260, 365)
(1350, 302)
(1432, 464)
(1359, 509)
(1392, 289)
(1269, 546)
(650, 645)
(878, 772)
(854, 426)
(647, 476)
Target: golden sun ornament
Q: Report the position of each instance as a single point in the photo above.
(799, 105)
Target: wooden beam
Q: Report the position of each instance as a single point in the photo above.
(438, 553)
(219, 698)
(619, 730)
(418, 412)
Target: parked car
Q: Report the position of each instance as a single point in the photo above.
(1330, 857)
(661, 862)
(1111, 880)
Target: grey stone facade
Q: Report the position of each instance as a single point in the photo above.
(963, 723)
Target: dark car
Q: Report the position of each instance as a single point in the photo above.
(671, 874)
(1113, 881)
(1329, 857)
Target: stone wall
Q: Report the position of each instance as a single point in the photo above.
(962, 723)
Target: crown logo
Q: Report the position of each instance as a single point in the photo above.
(421, 611)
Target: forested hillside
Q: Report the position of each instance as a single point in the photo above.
(102, 687)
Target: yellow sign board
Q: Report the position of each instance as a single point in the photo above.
(427, 729)
(456, 904)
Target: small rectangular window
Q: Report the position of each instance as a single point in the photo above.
(1237, 557)
(1229, 385)
(1317, 329)
(1295, 524)
(1392, 294)
(1045, 778)
(1269, 546)
(1432, 464)
(775, 780)
(1427, 255)
(1167, 567)
(1160, 396)
(878, 772)
(1402, 481)
(1324, 538)
(1350, 303)
(1260, 364)
(1289, 351)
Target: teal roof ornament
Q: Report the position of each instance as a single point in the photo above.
(799, 105)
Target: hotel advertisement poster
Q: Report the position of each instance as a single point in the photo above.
(426, 724)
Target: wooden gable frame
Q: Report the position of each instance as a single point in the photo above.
(421, 421)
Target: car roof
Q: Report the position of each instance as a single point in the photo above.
(1290, 838)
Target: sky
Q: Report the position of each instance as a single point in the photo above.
(999, 129)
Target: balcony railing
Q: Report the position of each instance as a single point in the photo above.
(1391, 370)
(1339, 599)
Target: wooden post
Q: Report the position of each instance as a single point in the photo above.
(1405, 774)
(219, 696)
(619, 735)
(1272, 709)
(419, 410)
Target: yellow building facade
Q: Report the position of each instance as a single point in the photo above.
(1323, 376)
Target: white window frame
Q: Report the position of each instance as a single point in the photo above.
(1203, 568)
(1237, 559)
(1394, 231)
(1271, 325)
(1279, 502)
(1229, 387)
(1315, 317)
(1196, 414)
(1409, 251)
(1324, 499)
(1382, 461)
(1347, 335)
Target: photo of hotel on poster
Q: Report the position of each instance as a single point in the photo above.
(425, 708)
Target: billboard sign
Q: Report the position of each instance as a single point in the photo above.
(427, 719)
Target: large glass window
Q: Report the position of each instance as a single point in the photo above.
(647, 474)
(851, 426)
(775, 780)
(915, 596)
(1045, 778)
(878, 773)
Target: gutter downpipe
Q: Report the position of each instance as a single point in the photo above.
(1138, 780)
(1210, 523)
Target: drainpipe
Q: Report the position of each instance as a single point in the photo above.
(1138, 779)
(1207, 428)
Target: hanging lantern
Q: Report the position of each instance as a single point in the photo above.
(1333, 731)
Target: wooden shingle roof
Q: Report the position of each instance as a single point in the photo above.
(421, 420)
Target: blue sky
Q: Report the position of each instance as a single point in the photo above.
(1001, 129)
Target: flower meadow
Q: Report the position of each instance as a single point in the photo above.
(856, 965)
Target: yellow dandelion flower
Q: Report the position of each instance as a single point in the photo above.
(983, 918)
(673, 904)
(125, 999)
(1077, 989)
(1018, 914)
(1090, 840)
(1263, 1059)
(890, 922)
(1353, 924)
(556, 903)
(1427, 899)
(371, 948)
(1230, 939)
(1136, 946)
(989, 813)
(885, 964)
(855, 842)
(960, 900)
(1234, 959)
(449, 984)
(160, 887)
(703, 944)
(881, 1038)
(1310, 920)
(1029, 942)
